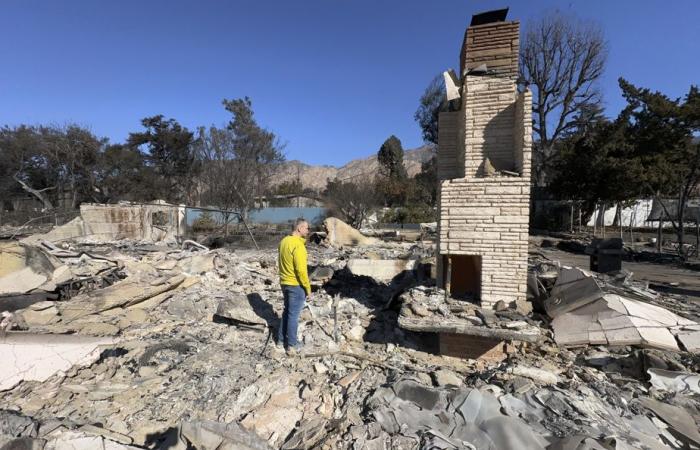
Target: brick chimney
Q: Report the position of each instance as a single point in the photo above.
(494, 44)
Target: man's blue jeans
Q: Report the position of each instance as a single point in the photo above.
(294, 297)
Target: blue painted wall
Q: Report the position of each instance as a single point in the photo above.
(272, 215)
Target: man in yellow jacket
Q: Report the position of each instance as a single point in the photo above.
(295, 284)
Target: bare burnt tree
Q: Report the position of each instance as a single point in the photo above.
(561, 58)
(353, 200)
(219, 182)
(237, 161)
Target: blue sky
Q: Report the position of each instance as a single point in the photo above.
(332, 78)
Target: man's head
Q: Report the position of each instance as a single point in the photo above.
(301, 228)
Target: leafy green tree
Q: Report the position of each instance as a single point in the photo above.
(122, 174)
(26, 162)
(431, 103)
(392, 180)
(415, 213)
(288, 188)
(390, 157)
(597, 166)
(77, 150)
(426, 183)
(167, 149)
(649, 150)
(661, 131)
(50, 163)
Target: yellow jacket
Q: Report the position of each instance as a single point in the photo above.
(292, 263)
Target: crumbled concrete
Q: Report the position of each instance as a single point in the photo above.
(382, 270)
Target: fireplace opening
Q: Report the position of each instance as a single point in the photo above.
(463, 277)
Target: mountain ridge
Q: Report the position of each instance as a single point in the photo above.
(315, 176)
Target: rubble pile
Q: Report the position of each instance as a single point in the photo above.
(429, 309)
(178, 352)
(600, 309)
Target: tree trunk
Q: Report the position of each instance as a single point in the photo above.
(39, 194)
(633, 217)
(619, 218)
(681, 230)
(595, 219)
(74, 201)
(580, 218)
(571, 220)
(605, 207)
(682, 199)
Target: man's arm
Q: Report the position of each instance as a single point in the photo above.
(300, 268)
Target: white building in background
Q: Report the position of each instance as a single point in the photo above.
(639, 214)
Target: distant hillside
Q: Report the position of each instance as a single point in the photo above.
(315, 177)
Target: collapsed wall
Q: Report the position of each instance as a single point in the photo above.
(484, 150)
(143, 222)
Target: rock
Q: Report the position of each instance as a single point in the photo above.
(381, 270)
(147, 371)
(500, 306)
(307, 435)
(43, 316)
(239, 309)
(521, 385)
(691, 341)
(320, 368)
(340, 233)
(355, 333)
(272, 423)
(533, 373)
(99, 329)
(516, 325)
(444, 377)
(327, 406)
(599, 359)
(489, 169)
(24, 443)
(420, 310)
(17, 425)
(321, 275)
(198, 264)
(136, 315)
(108, 434)
(488, 316)
(75, 388)
(347, 380)
(472, 319)
(207, 434)
(191, 307)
